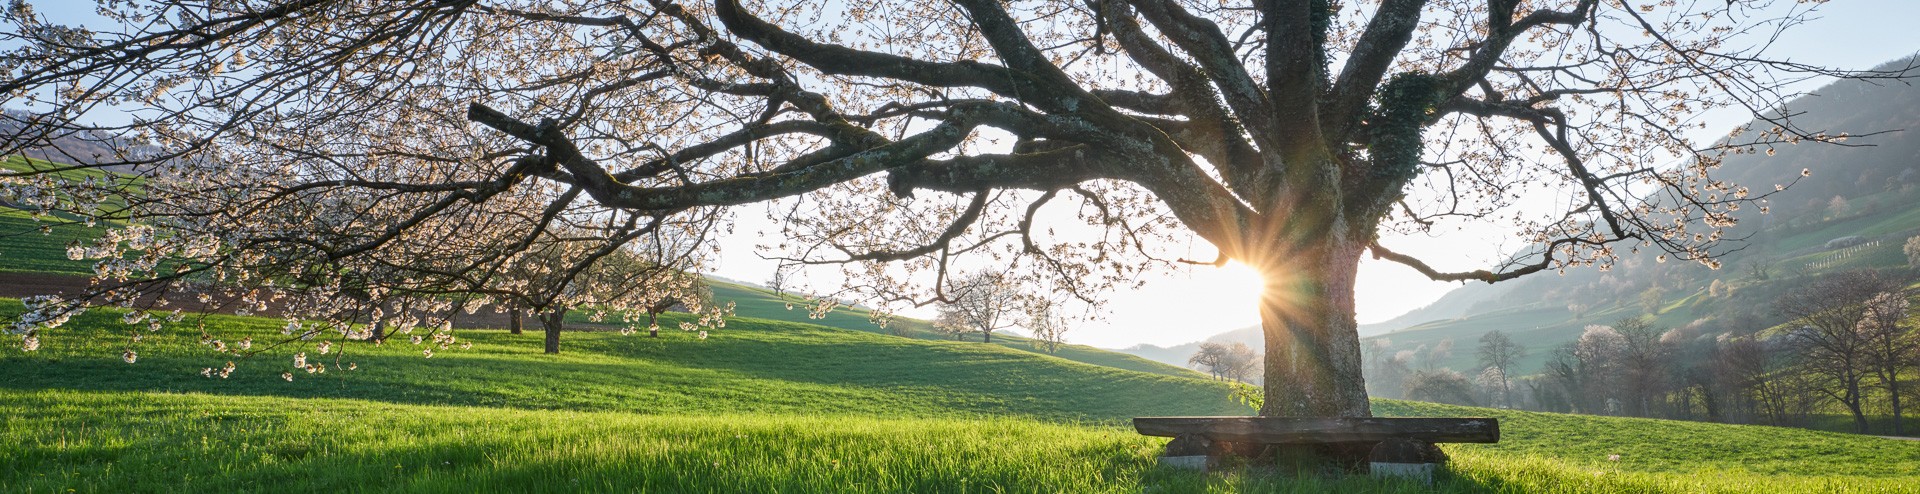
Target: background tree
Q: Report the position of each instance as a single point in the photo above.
(1828, 311)
(1498, 351)
(1432, 356)
(1759, 270)
(1912, 249)
(1211, 356)
(1652, 300)
(952, 323)
(1386, 370)
(1892, 345)
(1240, 362)
(884, 142)
(1049, 329)
(778, 282)
(1587, 370)
(983, 302)
(1235, 361)
(1645, 362)
(1441, 386)
(556, 278)
(1579, 310)
(1490, 388)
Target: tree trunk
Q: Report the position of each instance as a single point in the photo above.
(552, 321)
(1506, 388)
(1313, 365)
(379, 331)
(513, 320)
(653, 324)
(1893, 392)
(1853, 404)
(986, 337)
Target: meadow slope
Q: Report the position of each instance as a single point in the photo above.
(761, 406)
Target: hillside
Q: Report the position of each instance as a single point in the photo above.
(1863, 197)
(26, 249)
(762, 406)
(770, 366)
(754, 301)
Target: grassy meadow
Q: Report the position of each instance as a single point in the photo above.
(761, 406)
(761, 303)
(773, 403)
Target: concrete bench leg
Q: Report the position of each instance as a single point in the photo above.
(1198, 452)
(1406, 458)
(1190, 452)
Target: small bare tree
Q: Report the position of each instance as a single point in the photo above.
(1209, 357)
(1497, 351)
(778, 283)
(1225, 361)
(1049, 329)
(1240, 362)
(982, 302)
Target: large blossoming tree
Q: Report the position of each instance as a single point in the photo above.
(1067, 142)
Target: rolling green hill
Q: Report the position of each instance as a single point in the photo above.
(762, 406)
(752, 301)
(26, 248)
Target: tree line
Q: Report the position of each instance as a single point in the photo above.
(1847, 345)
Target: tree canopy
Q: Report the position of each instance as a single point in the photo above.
(1072, 143)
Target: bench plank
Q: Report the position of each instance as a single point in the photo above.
(1316, 430)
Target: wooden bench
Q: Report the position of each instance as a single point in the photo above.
(1383, 445)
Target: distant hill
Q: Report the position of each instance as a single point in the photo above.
(1862, 197)
(84, 148)
(1454, 304)
(1177, 355)
(1860, 202)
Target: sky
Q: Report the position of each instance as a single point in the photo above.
(1195, 303)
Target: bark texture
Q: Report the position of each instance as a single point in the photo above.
(1313, 364)
(553, 321)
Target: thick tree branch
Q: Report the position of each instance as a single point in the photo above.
(1387, 33)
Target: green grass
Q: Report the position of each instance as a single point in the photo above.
(1894, 220)
(768, 405)
(17, 163)
(119, 441)
(761, 303)
(754, 365)
(25, 248)
(762, 406)
(66, 172)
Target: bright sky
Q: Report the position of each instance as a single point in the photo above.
(1200, 302)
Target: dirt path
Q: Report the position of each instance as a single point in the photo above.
(16, 285)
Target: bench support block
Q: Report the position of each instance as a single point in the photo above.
(1198, 463)
(1390, 447)
(1421, 472)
